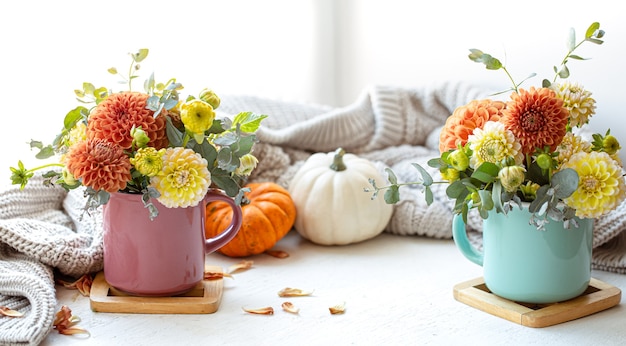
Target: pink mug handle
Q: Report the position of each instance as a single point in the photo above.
(221, 239)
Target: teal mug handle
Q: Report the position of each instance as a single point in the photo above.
(459, 235)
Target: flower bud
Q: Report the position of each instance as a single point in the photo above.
(610, 144)
(459, 160)
(512, 177)
(210, 97)
(450, 174)
(247, 164)
(544, 161)
(140, 138)
(68, 177)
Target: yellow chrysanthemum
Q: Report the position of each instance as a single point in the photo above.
(571, 145)
(184, 179)
(148, 161)
(577, 101)
(77, 134)
(601, 186)
(197, 116)
(493, 143)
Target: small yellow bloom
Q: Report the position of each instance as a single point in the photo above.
(529, 190)
(247, 164)
(140, 138)
(601, 186)
(571, 145)
(148, 161)
(184, 179)
(450, 174)
(197, 116)
(77, 134)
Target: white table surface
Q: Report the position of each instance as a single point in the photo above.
(397, 291)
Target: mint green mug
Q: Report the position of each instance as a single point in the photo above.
(524, 264)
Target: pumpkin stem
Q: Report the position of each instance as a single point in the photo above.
(338, 164)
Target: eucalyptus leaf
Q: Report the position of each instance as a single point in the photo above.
(392, 195)
(391, 176)
(486, 172)
(571, 40)
(591, 30)
(427, 180)
(45, 152)
(564, 182)
(73, 116)
(174, 136)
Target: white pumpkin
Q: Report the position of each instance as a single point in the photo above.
(332, 207)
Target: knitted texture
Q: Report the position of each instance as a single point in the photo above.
(41, 228)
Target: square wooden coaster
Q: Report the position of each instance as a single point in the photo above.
(598, 296)
(205, 298)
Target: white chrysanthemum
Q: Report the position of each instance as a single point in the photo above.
(493, 143)
(578, 101)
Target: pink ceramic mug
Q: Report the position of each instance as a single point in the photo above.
(163, 257)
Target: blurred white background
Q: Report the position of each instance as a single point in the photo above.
(320, 51)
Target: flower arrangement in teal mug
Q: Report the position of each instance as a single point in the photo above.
(497, 154)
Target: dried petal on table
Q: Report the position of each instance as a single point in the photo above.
(277, 253)
(243, 265)
(337, 309)
(65, 323)
(293, 292)
(82, 284)
(260, 311)
(216, 275)
(289, 307)
(5, 311)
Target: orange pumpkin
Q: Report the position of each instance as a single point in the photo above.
(268, 215)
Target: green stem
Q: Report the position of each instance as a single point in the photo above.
(44, 166)
(338, 164)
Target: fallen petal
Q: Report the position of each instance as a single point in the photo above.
(277, 253)
(64, 322)
(243, 265)
(293, 292)
(5, 311)
(289, 307)
(82, 284)
(216, 275)
(260, 311)
(337, 309)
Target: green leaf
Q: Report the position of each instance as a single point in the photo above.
(592, 29)
(45, 152)
(392, 195)
(427, 180)
(496, 193)
(490, 62)
(112, 70)
(428, 195)
(227, 160)
(564, 73)
(250, 122)
(174, 136)
(486, 172)
(564, 182)
(73, 116)
(577, 57)
(226, 183)
(391, 176)
(456, 190)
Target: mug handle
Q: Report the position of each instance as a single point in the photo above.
(459, 234)
(216, 242)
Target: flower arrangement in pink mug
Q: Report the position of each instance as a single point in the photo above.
(149, 142)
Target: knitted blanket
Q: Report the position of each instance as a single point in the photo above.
(43, 229)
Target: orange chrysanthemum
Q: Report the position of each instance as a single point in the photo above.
(465, 119)
(99, 164)
(113, 119)
(537, 118)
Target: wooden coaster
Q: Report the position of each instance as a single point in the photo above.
(205, 298)
(598, 296)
